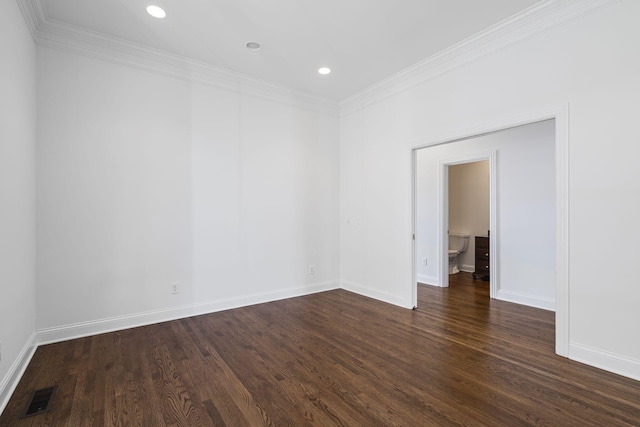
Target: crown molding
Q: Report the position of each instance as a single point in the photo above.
(531, 22)
(535, 20)
(54, 34)
(34, 15)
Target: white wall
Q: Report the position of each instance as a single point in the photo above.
(17, 196)
(469, 205)
(591, 62)
(145, 180)
(525, 234)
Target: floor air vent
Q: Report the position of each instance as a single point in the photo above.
(40, 402)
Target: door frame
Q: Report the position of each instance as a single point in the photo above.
(443, 215)
(559, 113)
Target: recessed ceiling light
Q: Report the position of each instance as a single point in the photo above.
(253, 46)
(156, 11)
(324, 71)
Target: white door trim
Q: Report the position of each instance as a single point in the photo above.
(443, 215)
(561, 115)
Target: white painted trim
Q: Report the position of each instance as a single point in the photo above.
(428, 280)
(443, 215)
(467, 268)
(34, 15)
(561, 115)
(529, 23)
(526, 24)
(494, 279)
(611, 362)
(525, 299)
(13, 376)
(414, 272)
(443, 225)
(359, 289)
(84, 329)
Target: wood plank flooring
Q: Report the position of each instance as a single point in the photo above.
(331, 359)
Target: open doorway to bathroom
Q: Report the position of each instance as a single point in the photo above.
(455, 202)
(469, 221)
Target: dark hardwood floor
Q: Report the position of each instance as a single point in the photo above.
(331, 359)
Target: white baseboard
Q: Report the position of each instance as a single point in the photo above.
(13, 376)
(357, 288)
(611, 362)
(94, 327)
(468, 268)
(524, 299)
(428, 280)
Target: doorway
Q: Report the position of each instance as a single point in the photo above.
(467, 209)
(555, 215)
(432, 207)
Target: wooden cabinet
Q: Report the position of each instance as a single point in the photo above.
(482, 258)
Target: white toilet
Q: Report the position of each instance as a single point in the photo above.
(458, 243)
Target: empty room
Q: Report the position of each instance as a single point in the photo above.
(238, 213)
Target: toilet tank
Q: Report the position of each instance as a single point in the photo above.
(458, 241)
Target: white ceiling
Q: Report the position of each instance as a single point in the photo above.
(363, 41)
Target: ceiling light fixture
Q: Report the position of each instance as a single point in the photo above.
(324, 71)
(253, 46)
(156, 11)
